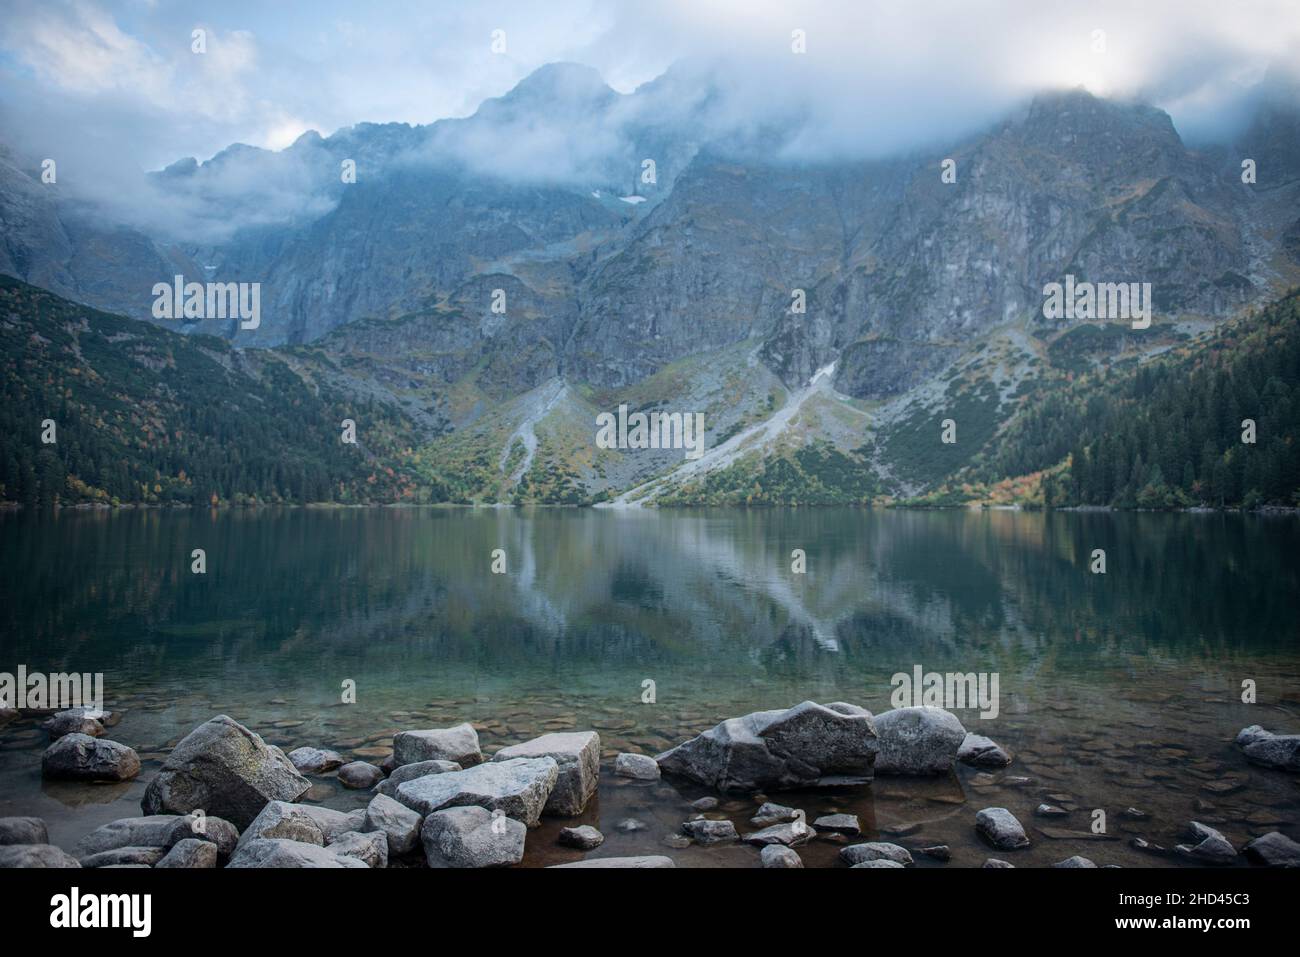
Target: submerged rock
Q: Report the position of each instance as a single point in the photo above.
(35, 855)
(803, 746)
(578, 755)
(1280, 751)
(79, 757)
(359, 775)
(777, 856)
(918, 740)
(23, 830)
(472, 836)
(520, 787)
(584, 838)
(639, 766)
(458, 744)
(1000, 828)
(226, 770)
(981, 752)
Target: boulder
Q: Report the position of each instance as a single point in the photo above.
(360, 775)
(332, 823)
(639, 766)
(649, 860)
(1076, 861)
(1274, 849)
(578, 755)
(940, 852)
(1280, 751)
(315, 760)
(297, 822)
(878, 862)
(777, 856)
(472, 836)
(994, 863)
(856, 854)
(147, 856)
(1000, 828)
(76, 721)
(372, 848)
(275, 852)
(803, 746)
(396, 821)
(769, 814)
(458, 744)
(23, 830)
(710, 832)
(1211, 847)
(409, 772)
(190, 853)
(35, 855)
(918, 740)
(79, 757)
(790, 834)
(981, 752)
(158, 830)
(840, 823)
(226, 770)
(519, 787)
(584, 838)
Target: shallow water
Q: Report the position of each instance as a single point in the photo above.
(1117, 690)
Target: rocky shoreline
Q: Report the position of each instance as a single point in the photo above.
(225, 797)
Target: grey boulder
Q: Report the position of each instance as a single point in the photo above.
(981, 752)
(1000, 828)
(458, 743)
(641, 767)
(1211, 847)
(276, 852)
(649, 860)
(1274, 849)
(918, 740)
(1075, 861)
(76, 721)
(226, 770)
(371, 849)
(769, 814)
(807, 745)
(519, 787)
(578, 755)
(360, 775)
(35, 855)
(79, 757)
(191, 854)
(472, 836)
(281, 820)
(857, 854)
(397, 822)
(146, 856)
(158, 830)
(789, 834)
(840, 823)
(23, 830)
(776, 856)
(710, 832)
(877, 862)
(1280, 751)
(584, 838)
(409, 772)
(315, 760)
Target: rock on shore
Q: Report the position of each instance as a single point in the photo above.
(519, 787)
(79, 757)
(458, 744)
(918, 740)
(578, 755)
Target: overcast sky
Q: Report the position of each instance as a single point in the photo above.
(118, 80)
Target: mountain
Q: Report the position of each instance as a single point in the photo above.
(674, 292)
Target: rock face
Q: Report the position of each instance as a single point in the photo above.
(638, 766)
(918, 740)
(875, 851)
(458, 744)
(35, 855)
(472, 837)
(803, 746)
(23, 830)
(315, 760)
(1274, 849)
(651, 860)
(273, 852)
(981, 752)
(79, 757)
(1280, 751)
(1000, 828)
(520, 787)
(395, 820)
(360, 774)
(776, 856)
(409, 772)
(190, 853)
(224, 769)
(578, 755)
